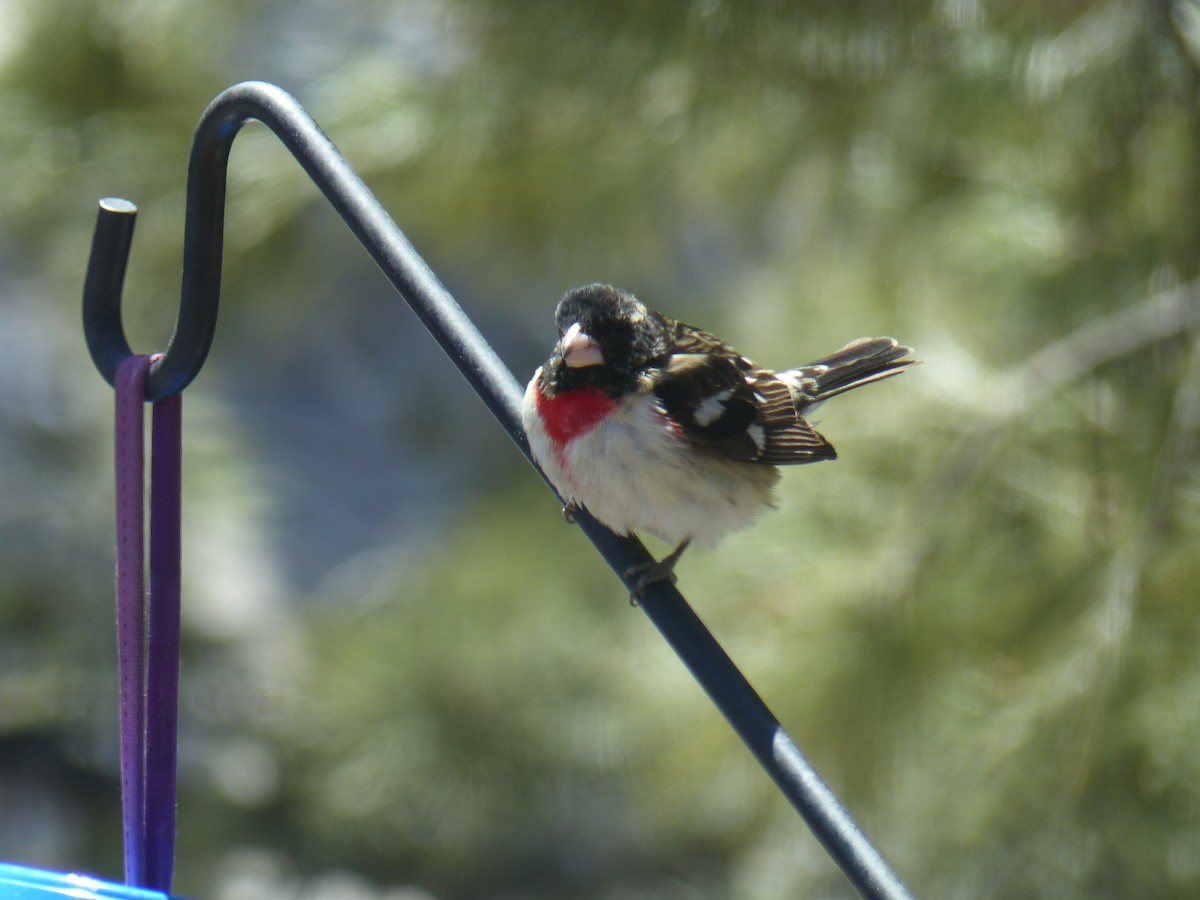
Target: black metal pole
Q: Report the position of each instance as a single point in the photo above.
(753, 721)
(483, 369)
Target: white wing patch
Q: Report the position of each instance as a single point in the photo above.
(759, 435)
(712, 408)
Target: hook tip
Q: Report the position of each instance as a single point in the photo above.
(119, 206)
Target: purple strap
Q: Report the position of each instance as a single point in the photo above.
(148, 669)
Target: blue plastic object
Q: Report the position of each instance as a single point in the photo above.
(20, 883)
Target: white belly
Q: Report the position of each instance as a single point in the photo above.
(629, 472)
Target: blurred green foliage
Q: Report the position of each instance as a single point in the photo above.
(401, 668)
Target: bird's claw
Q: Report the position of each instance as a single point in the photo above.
(649, 573)
(646, 574)
(569, 512)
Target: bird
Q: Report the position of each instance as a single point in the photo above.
(653, 425)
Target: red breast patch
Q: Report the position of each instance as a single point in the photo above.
(572, 413)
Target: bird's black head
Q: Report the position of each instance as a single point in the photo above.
(606, 338)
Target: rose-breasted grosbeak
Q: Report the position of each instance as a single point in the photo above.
(653, 425)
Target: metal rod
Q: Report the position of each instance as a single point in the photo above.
(102, 286)
(753, 721)
(491, 379)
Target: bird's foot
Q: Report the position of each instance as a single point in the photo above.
(646, 574)
(569, 512)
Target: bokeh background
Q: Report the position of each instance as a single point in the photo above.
(404, 677)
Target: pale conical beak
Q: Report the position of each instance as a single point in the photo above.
(579, 350)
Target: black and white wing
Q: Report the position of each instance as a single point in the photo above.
(727, 404)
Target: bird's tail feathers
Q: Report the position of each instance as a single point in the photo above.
(859, 362)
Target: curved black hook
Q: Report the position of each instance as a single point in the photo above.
(102, 287)
(203, 245)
